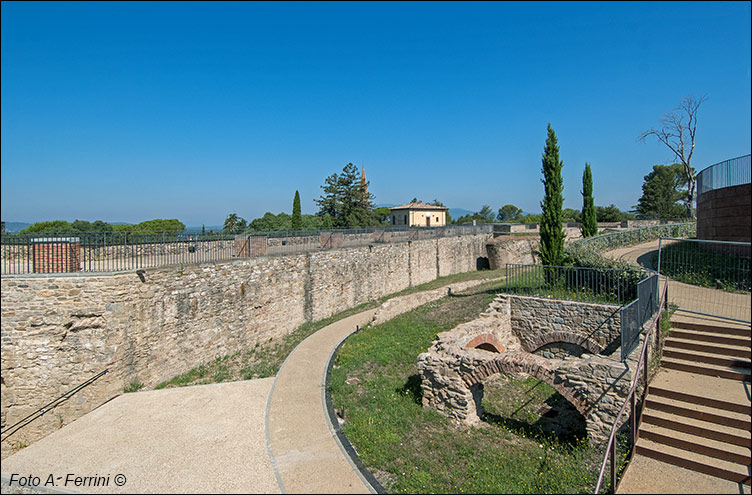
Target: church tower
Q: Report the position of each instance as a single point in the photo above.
(363, 178)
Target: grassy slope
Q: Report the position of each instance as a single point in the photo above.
(411, 449)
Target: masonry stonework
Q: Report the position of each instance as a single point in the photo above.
(454, 368)
(58, 331)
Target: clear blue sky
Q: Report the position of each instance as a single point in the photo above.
(132, 111)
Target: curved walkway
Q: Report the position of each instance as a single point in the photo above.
(689, 297)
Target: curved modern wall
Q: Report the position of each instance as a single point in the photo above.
(724, 214)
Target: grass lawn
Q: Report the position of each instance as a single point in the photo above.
(518, 448)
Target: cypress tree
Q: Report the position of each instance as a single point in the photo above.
(551, 233)
(297, 218)
(589, 218)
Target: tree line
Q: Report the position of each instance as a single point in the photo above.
(171, 225)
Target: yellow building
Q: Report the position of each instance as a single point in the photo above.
(419, 215)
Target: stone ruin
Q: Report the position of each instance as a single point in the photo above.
(572, 346)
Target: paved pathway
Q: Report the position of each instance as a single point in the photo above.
(199, 439)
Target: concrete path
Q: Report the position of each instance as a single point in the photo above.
(199, 439)
(304, 449)
(689, 297)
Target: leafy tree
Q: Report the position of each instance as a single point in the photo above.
(589, 217)
(297, 220)
(51, 226)
(346, 199)
(551, 233)
(678, 132)
(509, 213)
(662, 191)
(571, 215)
(382, 215)
(233, 224)
(612, 214)
(486, 214)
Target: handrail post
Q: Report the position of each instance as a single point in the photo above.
(613, 466)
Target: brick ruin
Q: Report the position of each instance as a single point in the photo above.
(572, 346)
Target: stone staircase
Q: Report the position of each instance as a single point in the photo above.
(697, 411)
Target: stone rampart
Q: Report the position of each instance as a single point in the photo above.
(58, 331)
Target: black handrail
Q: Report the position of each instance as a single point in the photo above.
(51, 405)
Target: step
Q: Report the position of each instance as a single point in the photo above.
(694, 462)
(708, 359)
(700, 400)
(692, 429)
(705, 337)
(727, 373)
(741, 332)
(702, 385)
(695, 413)
(711, 349)
(698, 447)
(728, 447)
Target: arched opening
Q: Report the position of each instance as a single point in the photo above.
(537, 403)
(486, 346)
(486, 342)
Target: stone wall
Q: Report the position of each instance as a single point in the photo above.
(725, 214)
(454, 368)
(58, 331)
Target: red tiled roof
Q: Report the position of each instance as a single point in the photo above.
(418, 206)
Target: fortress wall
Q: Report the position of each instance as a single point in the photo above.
(59, 330)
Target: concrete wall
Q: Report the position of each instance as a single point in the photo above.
(725, 214)
(58, 331)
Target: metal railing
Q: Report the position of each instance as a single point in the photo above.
(637, 236)
(712, 277)
(635, 314)
(732, 172)
(642, 365)
(10, 430)
(602, 285)
(121, 251)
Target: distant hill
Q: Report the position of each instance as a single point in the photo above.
(459, 212)
(13, 227)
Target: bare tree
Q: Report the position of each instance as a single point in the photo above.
(677, 132)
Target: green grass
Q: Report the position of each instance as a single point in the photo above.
(264, 359)
(134, 386)
(409, 449)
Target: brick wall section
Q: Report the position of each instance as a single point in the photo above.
(58, 331)
(725, 214)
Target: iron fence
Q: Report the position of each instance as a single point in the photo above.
(711, 278)
(122, 251)
(733, 172)
(602, 285)
(637, 236)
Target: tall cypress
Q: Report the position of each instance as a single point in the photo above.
(551, 233)
(589, 218)
(297, 218)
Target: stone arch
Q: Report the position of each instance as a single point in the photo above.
(486, 342)
(586, 343)
(523, 362)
